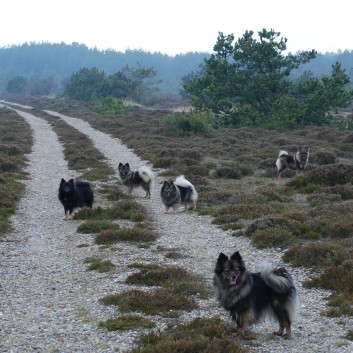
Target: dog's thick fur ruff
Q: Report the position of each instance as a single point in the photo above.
(75, 194)
(143, 177)
(297, 162)
(249, 297)
(181, 191)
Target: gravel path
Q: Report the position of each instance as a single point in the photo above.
(49, 302)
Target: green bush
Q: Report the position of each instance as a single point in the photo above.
(110, 106)
(191, 122)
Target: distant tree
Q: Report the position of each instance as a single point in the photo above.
(86, 85)
(17, 85)
(41, 86)
(143, 82)
(251, 72)
(119, 85)
(249, 83)
(90, 84)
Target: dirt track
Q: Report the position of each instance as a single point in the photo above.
(49, 302)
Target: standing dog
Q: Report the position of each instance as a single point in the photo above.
(181, 191)
(297, 162)
(143, 177)
(74, 194)
(250, 296)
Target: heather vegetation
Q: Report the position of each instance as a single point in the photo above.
(15, 143)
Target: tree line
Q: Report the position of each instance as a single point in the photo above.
(248, 82)
(42, 65)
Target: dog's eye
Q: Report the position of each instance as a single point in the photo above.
(226, 271)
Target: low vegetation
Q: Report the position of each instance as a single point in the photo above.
(127, 322)
(174, 278)
(201, 335)
(159, 301)
(96, 264)
(15, 143)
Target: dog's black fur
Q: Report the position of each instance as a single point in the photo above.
(74, 194)
(143, 177)
(250, 296)
(297, 162)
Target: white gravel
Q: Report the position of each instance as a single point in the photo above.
(49, 302)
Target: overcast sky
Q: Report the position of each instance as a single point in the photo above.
(177, 26)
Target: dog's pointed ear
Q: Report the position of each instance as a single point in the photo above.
(300, 149)
(222, 257)
(236, 256)
(307, 149)
(120, 164)
(71, 181)
(62, 181)
(220, 263)
(128, 165)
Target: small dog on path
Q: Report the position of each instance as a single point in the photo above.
(143, 177)
(75, 194)
(181, 191)
(250, 297)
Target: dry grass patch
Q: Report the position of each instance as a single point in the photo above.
(124, 209)
(15, 143)
(96, 226)
(127, 322)
(339, 279)
(159, 301)
(202, 335)
(328, 175)
(176, 279)
(133, 235)
(99, 265)
(316, 254)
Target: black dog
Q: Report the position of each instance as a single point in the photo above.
(250, 296)
(74, 194)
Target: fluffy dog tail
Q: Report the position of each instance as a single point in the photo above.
(146, 174)
(282, 154)
(281, 282)
(181, 181)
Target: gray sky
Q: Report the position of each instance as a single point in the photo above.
(177, 26)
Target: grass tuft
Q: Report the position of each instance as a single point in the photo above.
(126, 322)
(159, 301)
(99, 265)
(133, 235)
(202, 335)
(176, 279)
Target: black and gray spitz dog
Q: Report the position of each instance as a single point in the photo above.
(75, 194)
(181, 191)
(249, 297)
(143, 177)
(297, 162)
